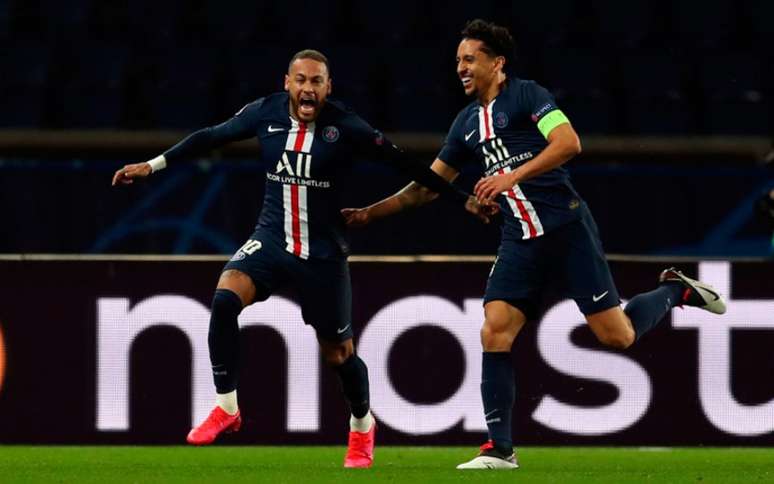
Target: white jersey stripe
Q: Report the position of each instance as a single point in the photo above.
(485, 122)
(290, 144)
(308, 138)
(303, 216)
(530, 217)
(302, 164)
(481, 125)
(515, 208)
(530, 210)
(287, 205)
(292, 135)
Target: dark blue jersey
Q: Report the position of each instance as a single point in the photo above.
(303, 163)
(504, 135)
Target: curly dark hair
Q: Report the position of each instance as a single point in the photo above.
(497, 40)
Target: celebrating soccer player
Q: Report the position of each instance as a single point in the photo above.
(307, 142)
(549, 238)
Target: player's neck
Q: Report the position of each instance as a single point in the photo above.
(493, 90)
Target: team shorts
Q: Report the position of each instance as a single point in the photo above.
(323, 286)
(568, 261)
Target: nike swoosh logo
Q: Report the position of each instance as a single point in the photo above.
(340, 331)
(467, 136)
(486, 415)
(274, 130)
(597, 298)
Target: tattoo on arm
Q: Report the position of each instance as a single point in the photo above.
(414, 195)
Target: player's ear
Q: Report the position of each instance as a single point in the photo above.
(330, 86)
(287, 82)
(499, 63)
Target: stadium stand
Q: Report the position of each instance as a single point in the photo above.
(700, 68)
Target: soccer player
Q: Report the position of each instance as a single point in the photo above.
(307, 142)
(549, 238)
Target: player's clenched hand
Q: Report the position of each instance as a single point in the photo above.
(483, 211)
(128, 173)
(488, 188)
(356, 217)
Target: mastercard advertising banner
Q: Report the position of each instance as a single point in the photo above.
(115, 351)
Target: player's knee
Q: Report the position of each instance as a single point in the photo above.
(495, 337)
(225, 303)
(617, 339)
(336, 355)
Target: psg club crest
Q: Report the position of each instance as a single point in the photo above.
(331, 134)
(501, 120)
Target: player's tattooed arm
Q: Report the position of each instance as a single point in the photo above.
(411, 196)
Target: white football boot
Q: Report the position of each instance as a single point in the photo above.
(491, 458)
(697, 293)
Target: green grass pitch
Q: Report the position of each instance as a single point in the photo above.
(307, 465)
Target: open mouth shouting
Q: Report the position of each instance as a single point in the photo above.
(307, 106)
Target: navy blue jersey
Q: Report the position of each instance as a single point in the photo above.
(504, 135)
(303, 162)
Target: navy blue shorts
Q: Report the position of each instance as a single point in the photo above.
(567, 261)
(323, 286)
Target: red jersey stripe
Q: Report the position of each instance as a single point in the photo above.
(522, 211)
(300, 137)
(296, 219)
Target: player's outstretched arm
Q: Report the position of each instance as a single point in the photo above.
(127, 174)
(415, 195)
(240, 126)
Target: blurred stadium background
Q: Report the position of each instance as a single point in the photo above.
(674, 103)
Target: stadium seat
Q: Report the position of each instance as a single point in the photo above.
(248, 24)
(253, 72)
(702, 24)
(66, 19)
(180, 88)
(5, 19)
(538, 24)
(390, 27)
(23, 86)
(92, 93)
(735, 94)
(758, 18)
(578, 79)
(154, 23)
(26, 21)
(622, 24)
(654, 97)
(418, 102)
(352, 71)
(446, 28)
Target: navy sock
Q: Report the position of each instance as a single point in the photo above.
(648, 309)
(353, 375)
(223, 339)
(498, 392)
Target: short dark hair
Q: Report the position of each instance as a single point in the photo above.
(497, 40)
(310, 54)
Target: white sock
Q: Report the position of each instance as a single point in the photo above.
(227, 401)
(361, 425)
